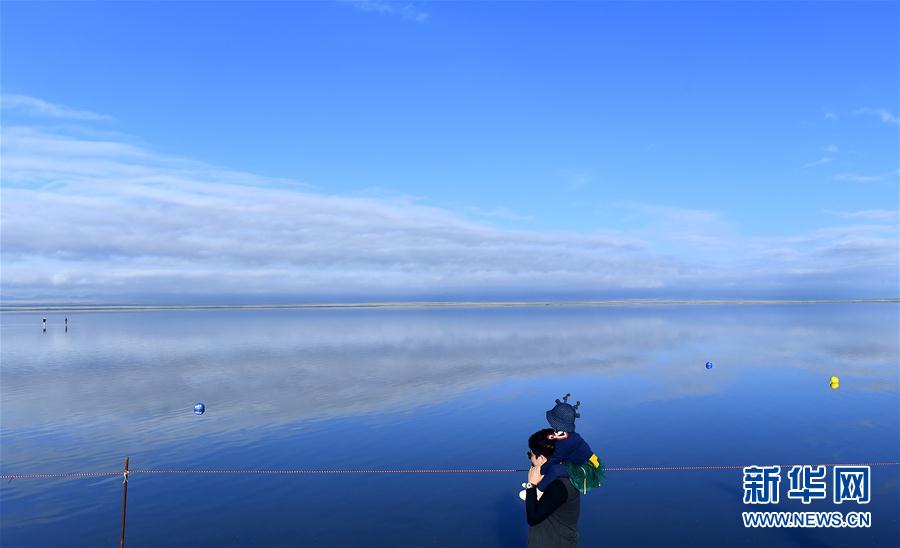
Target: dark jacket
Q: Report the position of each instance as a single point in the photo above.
(571, 449)
(553, 520)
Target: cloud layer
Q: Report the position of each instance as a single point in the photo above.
(38, 107)
(101, 219)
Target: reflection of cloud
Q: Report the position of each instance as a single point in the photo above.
(127, 376)
(343, 364)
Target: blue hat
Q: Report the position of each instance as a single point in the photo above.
(563, 415)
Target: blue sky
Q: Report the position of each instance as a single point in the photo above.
(452, 150)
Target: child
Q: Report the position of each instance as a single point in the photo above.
(571, 449)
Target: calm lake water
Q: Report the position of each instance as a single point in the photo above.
(437, 388)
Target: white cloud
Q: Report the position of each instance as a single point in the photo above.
(405, 10)
(499, 213)
(576, 180)
(819, 162)
(831, 149)
(674, 215)
(104, 219)
(881, 113)
(856, 178)
(105, 216)
(38, 107)
(870, 214)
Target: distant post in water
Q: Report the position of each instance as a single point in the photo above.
(44, 323)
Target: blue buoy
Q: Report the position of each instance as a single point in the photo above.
(199, 409)
(709, 365)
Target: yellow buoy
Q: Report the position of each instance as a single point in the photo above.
(835, 383)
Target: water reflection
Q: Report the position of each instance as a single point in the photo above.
(117, 383)
(139, 371)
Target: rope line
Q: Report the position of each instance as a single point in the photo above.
(311, 472)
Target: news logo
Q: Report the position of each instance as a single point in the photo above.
(806, 483)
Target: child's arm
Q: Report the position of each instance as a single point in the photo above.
(553, 472)
(548, 466)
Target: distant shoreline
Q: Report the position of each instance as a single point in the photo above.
(438, 304)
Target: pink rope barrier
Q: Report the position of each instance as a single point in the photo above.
(310, 472)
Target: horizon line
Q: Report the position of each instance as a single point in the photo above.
(438, 304)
